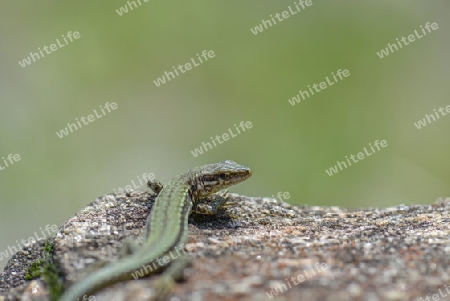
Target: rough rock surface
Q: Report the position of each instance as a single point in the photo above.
(262, 249)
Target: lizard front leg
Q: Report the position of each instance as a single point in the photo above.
(210, 205)
(155, 186)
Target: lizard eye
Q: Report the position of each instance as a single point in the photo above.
(222, 176)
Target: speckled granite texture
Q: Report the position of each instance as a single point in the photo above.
(262, 249)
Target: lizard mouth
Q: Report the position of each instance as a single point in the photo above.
(241, 175)
(247, 173)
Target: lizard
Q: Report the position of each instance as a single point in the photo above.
(201, 190)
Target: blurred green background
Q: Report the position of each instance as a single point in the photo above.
(251, 78)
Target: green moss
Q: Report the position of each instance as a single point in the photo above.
(34, 270)
(46, 268)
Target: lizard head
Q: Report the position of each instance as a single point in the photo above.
(211, 178)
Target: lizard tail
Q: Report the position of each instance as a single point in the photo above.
(101, 278)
